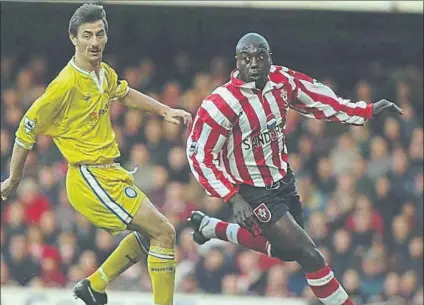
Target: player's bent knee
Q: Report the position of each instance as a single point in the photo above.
(166, 234)
(311, 259)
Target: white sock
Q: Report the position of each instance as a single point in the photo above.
(207, 226)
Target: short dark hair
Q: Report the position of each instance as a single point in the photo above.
(88, 12)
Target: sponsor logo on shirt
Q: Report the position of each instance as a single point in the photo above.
(274, 130)
(96, 115)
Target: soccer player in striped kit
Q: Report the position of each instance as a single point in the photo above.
(237, 151)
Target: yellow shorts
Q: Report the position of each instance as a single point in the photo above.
(105, 195)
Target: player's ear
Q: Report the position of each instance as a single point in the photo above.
(73, 39)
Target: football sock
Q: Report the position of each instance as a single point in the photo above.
(215, 228)
(161, 264)
(125, 255)
(326, 287)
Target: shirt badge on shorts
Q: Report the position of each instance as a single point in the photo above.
(262, 213)
(130, 192)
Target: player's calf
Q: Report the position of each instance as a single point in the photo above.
(206, 228)
(288, 235)
(161, 259)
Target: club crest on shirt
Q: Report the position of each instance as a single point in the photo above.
(262, 213)
(130, 192)
(284, 96)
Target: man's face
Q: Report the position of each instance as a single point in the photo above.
(91, 40)
(253, 63)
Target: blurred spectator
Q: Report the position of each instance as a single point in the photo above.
(364, 91)
(22, 267)
(35, 204)
(171, 94)
(343, 252)
(325, 180)
(277, 283)
(155, 144)
(139, 156)
(344, 155)
(210, 270)
(371, 283)
(380, 160)
(351, 283)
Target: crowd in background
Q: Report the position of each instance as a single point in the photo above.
(361, 187)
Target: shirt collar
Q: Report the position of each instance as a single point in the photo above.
(99, 81)
(242, 84)
(83, 71)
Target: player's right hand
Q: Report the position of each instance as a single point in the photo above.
(243, 214)
(8, 188)
(174, 116)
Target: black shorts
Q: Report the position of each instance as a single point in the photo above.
(271, 203)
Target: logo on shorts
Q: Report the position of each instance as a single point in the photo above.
(262, 213)
(130, 192)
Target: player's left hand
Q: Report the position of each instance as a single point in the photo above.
(175, 116)
(385, 105)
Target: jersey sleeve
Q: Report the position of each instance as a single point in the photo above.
(42, 113)
(204, 145)
(117, 88)
(316, 100)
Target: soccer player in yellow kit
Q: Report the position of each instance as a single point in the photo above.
(74, 111)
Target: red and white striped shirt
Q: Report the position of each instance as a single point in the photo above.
(238, 133)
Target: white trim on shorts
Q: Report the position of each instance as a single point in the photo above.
(104, 197)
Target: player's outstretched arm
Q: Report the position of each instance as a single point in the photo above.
(316, 100)
(137, 100)
(17, 164)
(319, 101)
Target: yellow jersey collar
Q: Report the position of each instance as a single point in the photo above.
(99, 81)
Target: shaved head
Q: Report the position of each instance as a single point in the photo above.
(250, 40)
(253, 59)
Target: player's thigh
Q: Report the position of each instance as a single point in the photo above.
(288, 235)
(149, 220)
(296, 209)
(106, 197)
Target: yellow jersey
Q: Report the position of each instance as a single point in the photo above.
(74, 111)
